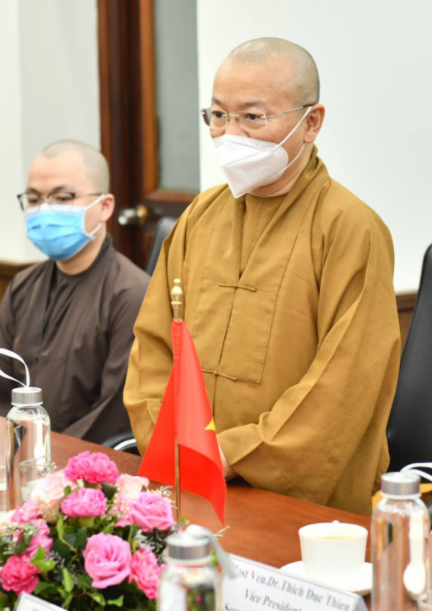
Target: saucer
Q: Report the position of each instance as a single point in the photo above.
(361, 584)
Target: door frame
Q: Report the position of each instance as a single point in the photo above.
(129, 124)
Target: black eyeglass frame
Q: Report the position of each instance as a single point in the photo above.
(73, 197)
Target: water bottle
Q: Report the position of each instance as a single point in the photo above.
(27, 436)
(190, 581)
(400, 530)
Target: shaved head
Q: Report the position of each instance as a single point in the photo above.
(304, 86)
(95, 164)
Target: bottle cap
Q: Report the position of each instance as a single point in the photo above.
(181, 546)
(400, 484)
(26, 395)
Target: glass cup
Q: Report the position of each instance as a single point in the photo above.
(31, 472)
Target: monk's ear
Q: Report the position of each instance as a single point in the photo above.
(108, 203)
(314, 122)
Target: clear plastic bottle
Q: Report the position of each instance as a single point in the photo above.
(400, 531)
(190, 582)
(27, 436)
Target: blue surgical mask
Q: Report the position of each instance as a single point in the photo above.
(58, 230)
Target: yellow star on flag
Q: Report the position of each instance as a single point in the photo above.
(211, 426)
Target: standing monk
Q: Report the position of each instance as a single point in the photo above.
(288, 293)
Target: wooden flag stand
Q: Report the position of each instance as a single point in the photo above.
(176, 304)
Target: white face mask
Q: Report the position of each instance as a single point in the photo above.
(249, 163)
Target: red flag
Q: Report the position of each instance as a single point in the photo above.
(186, 415)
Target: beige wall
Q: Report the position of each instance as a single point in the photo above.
(50, 91)
(375, 61)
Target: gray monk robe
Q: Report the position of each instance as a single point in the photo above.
(291, 306)
(75, 334)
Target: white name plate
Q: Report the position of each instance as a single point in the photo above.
(263, 587)
(27, 602)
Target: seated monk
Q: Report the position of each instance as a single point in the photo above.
(71, 317)
(288, 294)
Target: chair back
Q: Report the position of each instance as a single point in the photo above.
(162, 231)
(409, 430)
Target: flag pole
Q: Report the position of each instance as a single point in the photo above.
(176, 303)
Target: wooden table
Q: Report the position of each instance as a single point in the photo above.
(263, 525)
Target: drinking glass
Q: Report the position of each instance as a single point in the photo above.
(32, 471)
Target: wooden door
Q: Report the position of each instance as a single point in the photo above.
(129, 127)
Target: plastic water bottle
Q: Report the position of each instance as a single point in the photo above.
(27, 436)
(400, 530)
(190, 581)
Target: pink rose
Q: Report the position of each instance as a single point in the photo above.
(40, 539)
(131, 485)
(86, 503)
(107, 560)
(94, 468)
(146, 572)
(26, 513)
(151, 510)
(19, 575)
(48, 493)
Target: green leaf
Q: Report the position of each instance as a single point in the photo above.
(67, 491)
(45, 588)
(84, 581)
(67, 581)
(108, 490)
(40, 554)
(67, 602)
(61, 548)
(98, 597)
(44, 565)
(117, 602)
(81, 538)
(24, 543)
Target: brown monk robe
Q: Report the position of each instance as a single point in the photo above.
(71, 318)
(75, 334)
(291, 306)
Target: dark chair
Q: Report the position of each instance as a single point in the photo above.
(409, 430)
(162, 231)
(124, 442)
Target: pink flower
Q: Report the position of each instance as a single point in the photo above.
(26, 513)
(131, 485)
(122, 507)
(40, 539)
(107, 560)
(19, 575)
(94, 468)
(151, 510)
(48, 493)
(146, 572)
(86, 503)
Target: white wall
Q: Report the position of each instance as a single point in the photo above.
(50, 91)
(375, 63)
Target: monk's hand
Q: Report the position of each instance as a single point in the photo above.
(229, 472)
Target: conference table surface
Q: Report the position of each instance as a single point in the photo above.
(262, 525)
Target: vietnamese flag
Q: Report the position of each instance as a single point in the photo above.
(186, 416)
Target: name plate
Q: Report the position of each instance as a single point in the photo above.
(27, 602)
(263, 587)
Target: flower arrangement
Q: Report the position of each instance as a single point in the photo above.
(88, 538)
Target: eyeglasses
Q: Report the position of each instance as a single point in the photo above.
(218, 119)
(30, 200)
